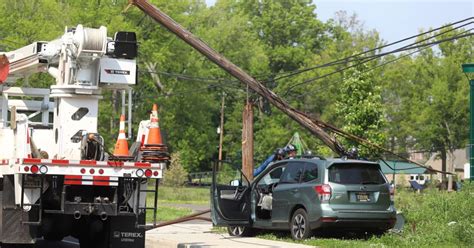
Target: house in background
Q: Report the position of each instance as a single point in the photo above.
(460, 159)
(400, 172)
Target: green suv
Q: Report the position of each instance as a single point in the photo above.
(303, 195)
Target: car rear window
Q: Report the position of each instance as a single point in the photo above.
(355, 173)
(310, 172)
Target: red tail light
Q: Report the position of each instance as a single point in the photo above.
(324, 192)
(34, 169)
(392, 192)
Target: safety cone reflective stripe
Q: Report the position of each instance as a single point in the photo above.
(154, 133)
(121, 147)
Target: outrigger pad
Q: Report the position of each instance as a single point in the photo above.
(125, 234)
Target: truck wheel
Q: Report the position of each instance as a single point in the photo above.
(240, 231)
(299, 225)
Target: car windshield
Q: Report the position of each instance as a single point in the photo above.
(355, 173)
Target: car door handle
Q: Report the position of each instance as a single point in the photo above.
(294, 190)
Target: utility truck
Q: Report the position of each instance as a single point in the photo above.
(56, 178)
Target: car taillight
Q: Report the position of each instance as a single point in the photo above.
(324, 192)
(392, 192)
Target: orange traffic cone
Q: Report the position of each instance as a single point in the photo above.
(154, 132)
(121, 147)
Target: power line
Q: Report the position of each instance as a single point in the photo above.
(336, 62)
(373, 68)
(365, 60)
(347, 59)
(188, 77)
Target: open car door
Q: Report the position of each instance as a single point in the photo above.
(230, 196)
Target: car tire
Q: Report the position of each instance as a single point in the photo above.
(299, 225)
(240, 231)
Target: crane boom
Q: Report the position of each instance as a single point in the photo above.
(315, 126)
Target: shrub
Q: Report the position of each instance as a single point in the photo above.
(175, 175)
(437, 217)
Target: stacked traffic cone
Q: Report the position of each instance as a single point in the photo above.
(154, 150)
(154, 132)
(121, 147)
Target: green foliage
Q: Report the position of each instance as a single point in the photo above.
(360, 105)
(264, 38)
(175, 175)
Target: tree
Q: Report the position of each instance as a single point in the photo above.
(360, 105)
(441, 105)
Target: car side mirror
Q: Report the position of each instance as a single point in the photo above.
(235, 182)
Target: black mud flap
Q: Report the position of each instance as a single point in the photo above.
(13, 231)
(125, 234)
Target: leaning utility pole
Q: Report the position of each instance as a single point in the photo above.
(313, 125)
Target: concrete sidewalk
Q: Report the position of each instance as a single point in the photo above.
(199, 235)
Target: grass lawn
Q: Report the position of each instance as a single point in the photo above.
(183, 195)
(178, 195)
(433, 219)
(165, 213)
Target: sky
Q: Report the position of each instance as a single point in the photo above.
(396, 19)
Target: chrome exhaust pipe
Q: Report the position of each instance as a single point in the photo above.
(103, 216)
(77, 215)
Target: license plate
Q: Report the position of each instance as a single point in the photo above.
(362, 197)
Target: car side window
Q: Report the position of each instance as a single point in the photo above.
(293, 173)
(310, 172)
(273, 176)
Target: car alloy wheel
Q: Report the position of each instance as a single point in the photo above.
(236, 230)
(299, 225)
(239, 231)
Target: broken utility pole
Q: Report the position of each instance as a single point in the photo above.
(314, 126)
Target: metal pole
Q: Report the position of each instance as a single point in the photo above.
(469, 69)
(471, 130)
